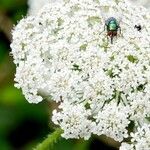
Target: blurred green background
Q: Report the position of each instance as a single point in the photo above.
(24, 125)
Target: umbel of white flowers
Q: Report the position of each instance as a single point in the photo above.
(145, 3)
(63, 53)
(36, 5)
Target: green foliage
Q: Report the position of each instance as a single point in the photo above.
(49, 142)
(11, 4)
(3, 49)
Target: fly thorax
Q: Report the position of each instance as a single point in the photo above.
(112, 27)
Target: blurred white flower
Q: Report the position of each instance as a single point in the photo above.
(64, 53)
(145, 3)
(36, 5)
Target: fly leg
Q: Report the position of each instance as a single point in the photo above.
(112, 36)
(111, 39)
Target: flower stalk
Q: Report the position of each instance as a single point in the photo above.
(50, 140)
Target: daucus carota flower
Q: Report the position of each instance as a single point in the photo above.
(112, 121)
(64, 53)
(145, 3)
(126, 146)
(74, 121)
(36, 5)
(140, 139)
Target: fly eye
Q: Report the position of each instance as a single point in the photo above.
(138, 27)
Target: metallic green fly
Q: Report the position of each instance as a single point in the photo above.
(112, 26)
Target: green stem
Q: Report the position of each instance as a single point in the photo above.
(50, 140)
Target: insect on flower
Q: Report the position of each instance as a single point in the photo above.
(112, 26)
(138, 27)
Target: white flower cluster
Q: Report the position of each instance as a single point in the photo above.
(74, 121)
(36, 5)
(140, 139)
(112, 121)
(63, 53)
(145, 3)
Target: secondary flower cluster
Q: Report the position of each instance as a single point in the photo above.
(140, 139)
(63, 53)
(36, 5)
(145, 3)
